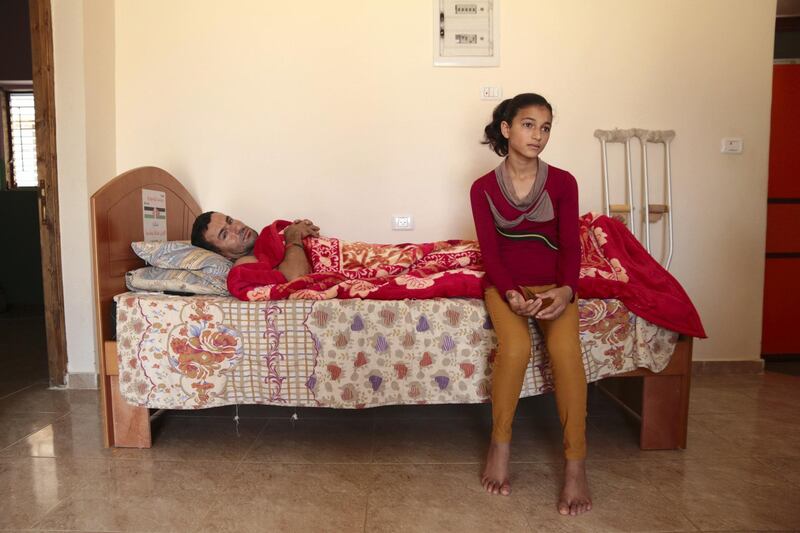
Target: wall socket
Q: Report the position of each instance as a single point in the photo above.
(491, 93)
(732, 145)
(402, 222)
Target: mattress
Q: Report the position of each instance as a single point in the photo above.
(191, 352)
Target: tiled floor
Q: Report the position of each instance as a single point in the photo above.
(393, 469)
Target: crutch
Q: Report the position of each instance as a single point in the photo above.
(654, 212)
(622, 137)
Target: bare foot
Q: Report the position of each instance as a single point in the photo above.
(575, 499)
(495, 474)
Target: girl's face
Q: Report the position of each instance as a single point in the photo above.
(528, 132)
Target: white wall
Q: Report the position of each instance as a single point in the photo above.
(73, 195)
(264, 111)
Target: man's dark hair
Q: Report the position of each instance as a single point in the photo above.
(199, 232)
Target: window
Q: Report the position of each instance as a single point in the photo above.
(20, 139)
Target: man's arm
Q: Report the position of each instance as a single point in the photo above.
(295, 263)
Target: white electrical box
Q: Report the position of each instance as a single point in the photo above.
(731, 145)
(466, 33)
(402, 222)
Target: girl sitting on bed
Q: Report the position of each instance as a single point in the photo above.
(526, 217)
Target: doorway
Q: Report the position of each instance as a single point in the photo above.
(32, 336)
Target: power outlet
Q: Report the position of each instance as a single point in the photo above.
(732, 145)
(491, 93)
(402, 222)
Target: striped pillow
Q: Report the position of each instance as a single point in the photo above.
(181, 255)
(175, 280)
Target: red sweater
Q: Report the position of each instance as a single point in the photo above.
(531, 244)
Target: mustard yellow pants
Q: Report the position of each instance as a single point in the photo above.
(514, 355)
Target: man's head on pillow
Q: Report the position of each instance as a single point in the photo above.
(224, 235)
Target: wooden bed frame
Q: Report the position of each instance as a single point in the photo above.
(660, 401)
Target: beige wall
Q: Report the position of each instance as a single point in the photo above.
(73, 195)
(83, 43)
(264, 111)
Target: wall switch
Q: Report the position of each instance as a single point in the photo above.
(491, 93)
(732, 145)
(402, 222)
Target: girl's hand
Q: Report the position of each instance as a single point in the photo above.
(520, 305)
(560, 296)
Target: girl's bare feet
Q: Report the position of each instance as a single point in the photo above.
(575, 499)
(495, 474)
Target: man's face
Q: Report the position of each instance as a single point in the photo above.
(231, 237)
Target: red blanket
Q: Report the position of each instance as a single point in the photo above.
(613, 265)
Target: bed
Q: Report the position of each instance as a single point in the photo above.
(334, 353)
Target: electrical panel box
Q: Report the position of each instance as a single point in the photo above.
(466, 33)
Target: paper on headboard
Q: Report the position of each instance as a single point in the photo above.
(154, 215)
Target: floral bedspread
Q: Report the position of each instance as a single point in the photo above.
(180, 352)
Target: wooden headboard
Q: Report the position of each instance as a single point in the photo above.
(117, 222)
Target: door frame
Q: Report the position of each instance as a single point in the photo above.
(41, 25)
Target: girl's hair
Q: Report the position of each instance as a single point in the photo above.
(506, 111)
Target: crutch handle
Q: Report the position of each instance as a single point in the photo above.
(654, 136)
(614, 136)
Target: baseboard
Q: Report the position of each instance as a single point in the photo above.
(708, 368)
(82, 380)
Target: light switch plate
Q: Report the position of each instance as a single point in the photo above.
(402, 222)
(732, 145)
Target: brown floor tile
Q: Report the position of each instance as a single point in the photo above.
(774, 434)
(68, 436)
(16, 427)
(141, 495)
(29, 488)
(535, 441)
(720, 494)
(448, 440)
(12, 386)
(622, 495)
(439, 498)
(274, 497)
(787, 467)
(313, 441)
(617, 438)
(39, 398)
(717, 401)
(197, 439)
(157, 512)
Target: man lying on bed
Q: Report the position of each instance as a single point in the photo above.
(291, 260)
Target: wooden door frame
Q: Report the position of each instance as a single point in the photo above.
(41, 23)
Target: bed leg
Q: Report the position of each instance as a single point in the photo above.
(665, 412)
(131, 424)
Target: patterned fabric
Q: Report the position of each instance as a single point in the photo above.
(344, 270)
(165, 279)
(180, 267)
(615, 265)
(182, 255)
(194, 352)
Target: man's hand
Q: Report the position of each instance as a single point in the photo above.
(520, 305)
(299, 230)
(560, 296)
